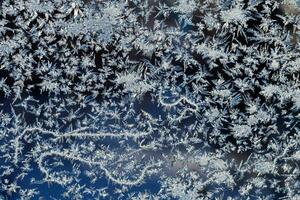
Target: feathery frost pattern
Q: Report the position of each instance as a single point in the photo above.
(150, 99)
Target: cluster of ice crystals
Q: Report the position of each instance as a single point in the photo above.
(149, 99)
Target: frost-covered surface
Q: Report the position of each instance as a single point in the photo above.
(149, 99)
